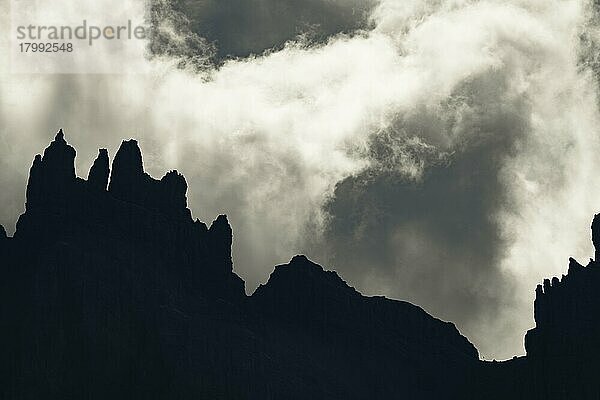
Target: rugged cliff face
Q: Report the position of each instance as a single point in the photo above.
(139, 221)
(111, 290)
(563, 349)
(564, 346)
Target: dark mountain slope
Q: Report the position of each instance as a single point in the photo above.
(110, 289)
(563, 349)
(370, 340)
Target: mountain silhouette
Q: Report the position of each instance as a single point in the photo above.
(563, 349)
(111, 290)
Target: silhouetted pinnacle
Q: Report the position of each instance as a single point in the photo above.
(59, 158)
(52, 173)
(129, 182)
(98, 175)
(220, 239)
(221, 226)
(155, 212)
(2, 233)
(174, 188)
(127, 165)
(127, 178)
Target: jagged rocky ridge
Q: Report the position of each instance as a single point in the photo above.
(111, 290)
(563, 349)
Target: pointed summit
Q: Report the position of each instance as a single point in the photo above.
(127, 162)
(2, 233)
(129, 158)
(59, 158)
(51, 175)
(220, 223)
(290, 282)
(174, 188)
(127, 176)
(129, 182)
(60, 136)
(98, 175)
(220, 239)
(221, 231)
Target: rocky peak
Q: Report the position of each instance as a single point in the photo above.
(137, 211)
(174, 188)
(2, 233)
(220, 239)
(220, 227)
(129, 182)
(300, 268)
(128, 159)
(300, 260)
(121, 272)
(98, 175)
(127, 172)
(51, 175)
(299, 280)
(566, 308)
(307, 297)
(59, 158)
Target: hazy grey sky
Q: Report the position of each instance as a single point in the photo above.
(443, 152)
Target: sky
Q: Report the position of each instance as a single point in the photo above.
(443, 152)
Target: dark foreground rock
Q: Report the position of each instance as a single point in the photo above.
(111, 290)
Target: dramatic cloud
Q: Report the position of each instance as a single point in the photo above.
(238, 28)
(428, 233)
(469, 236)
(443, 152)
